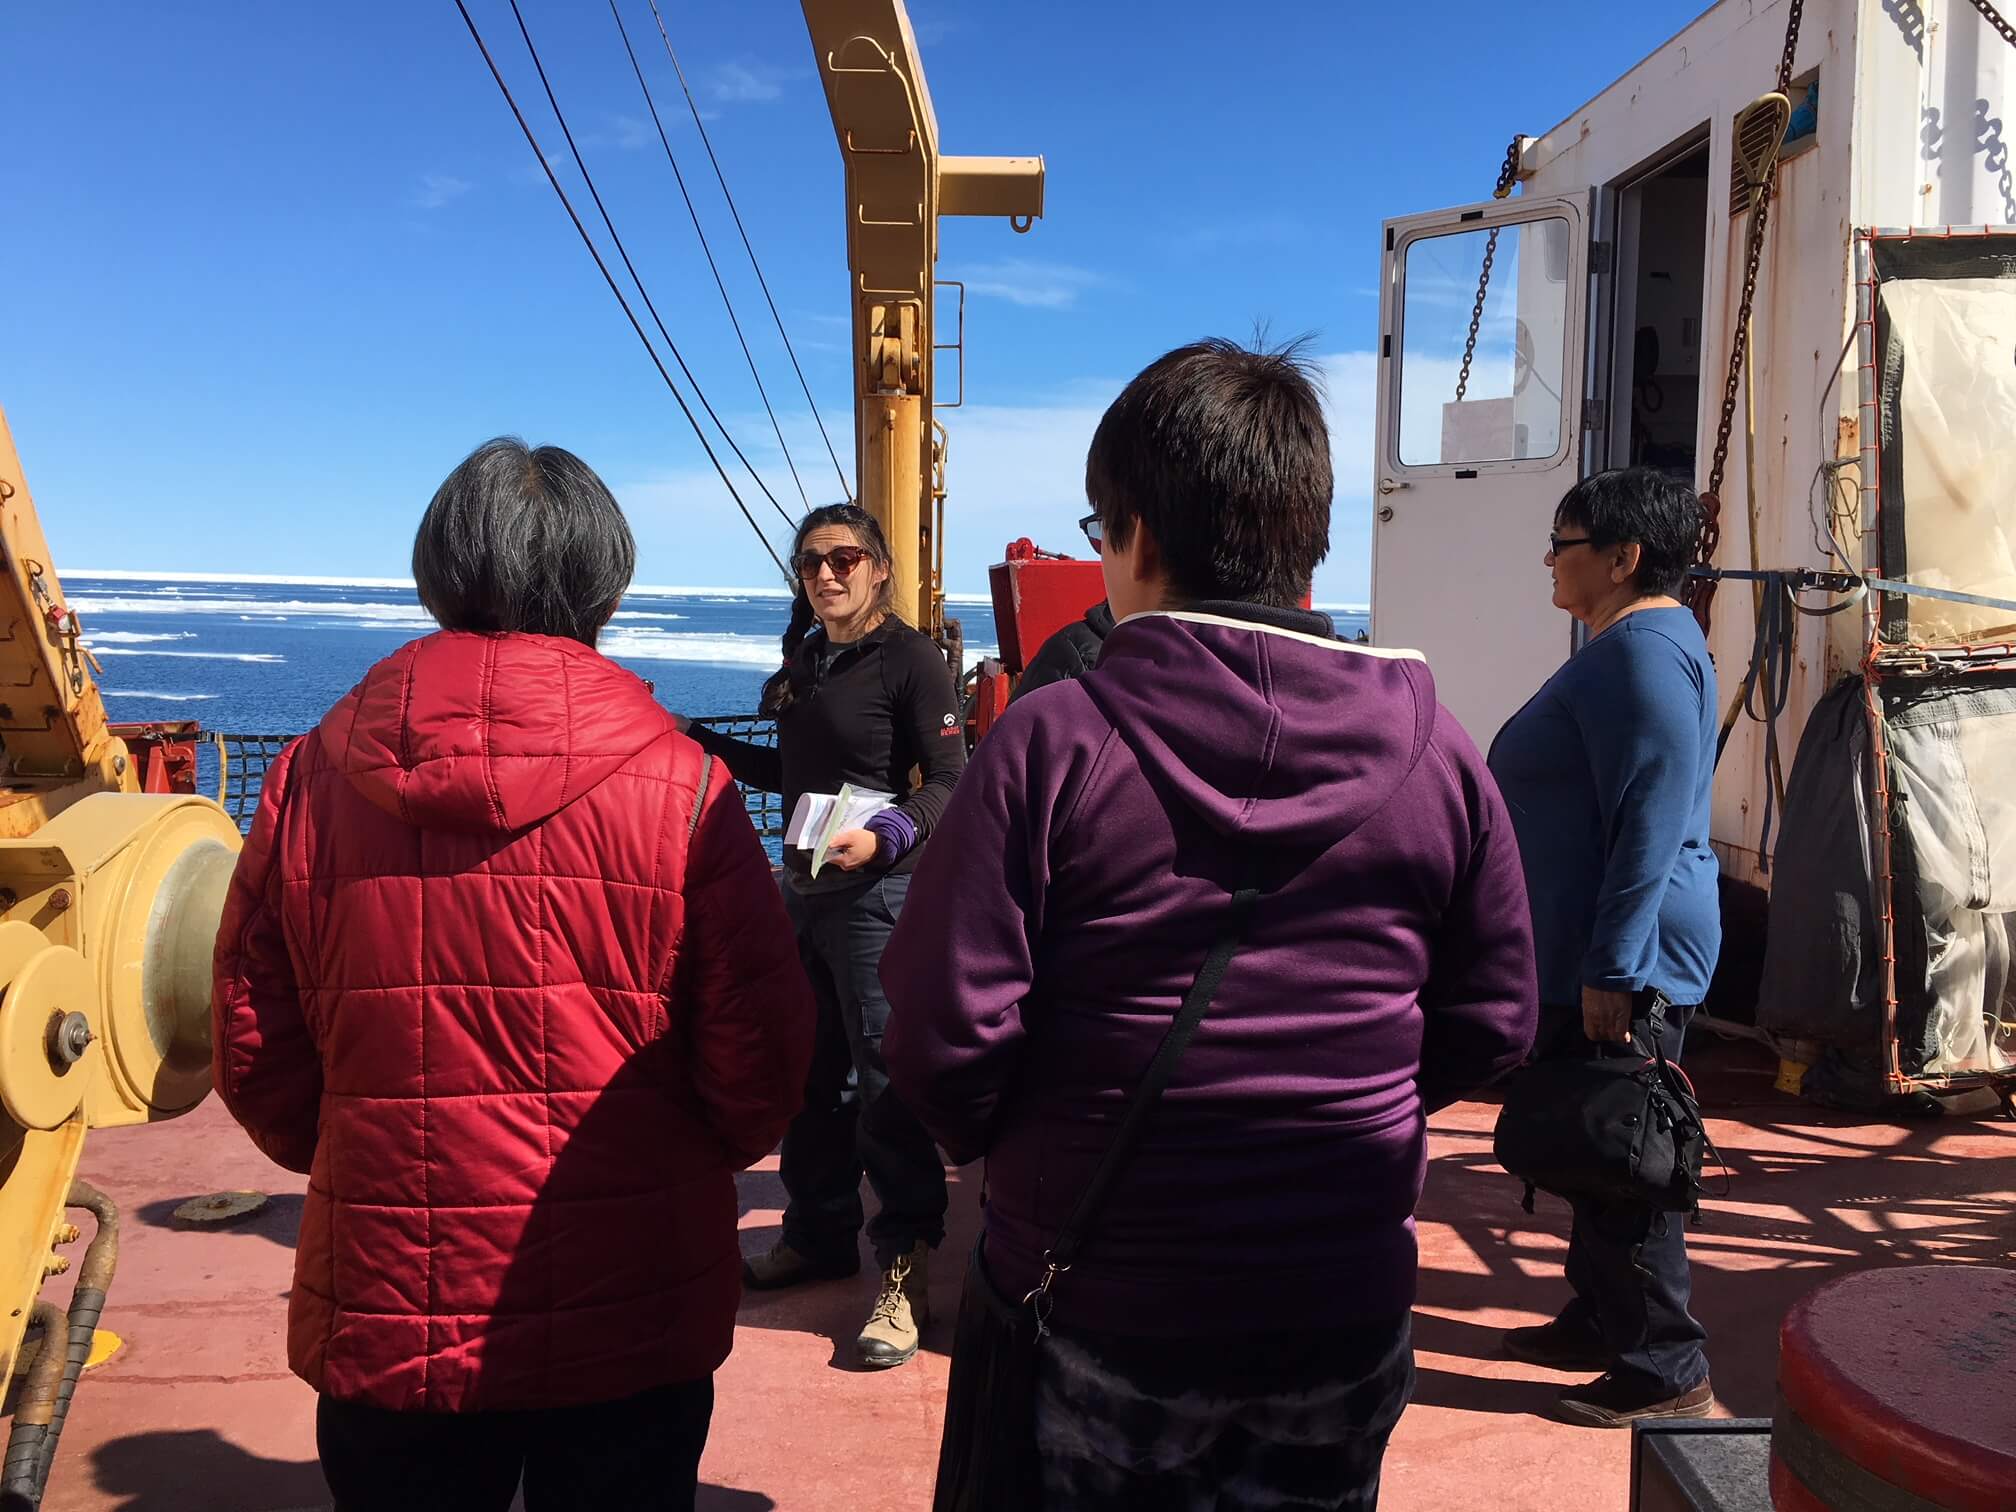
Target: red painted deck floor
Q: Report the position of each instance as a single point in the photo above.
(198, 1414)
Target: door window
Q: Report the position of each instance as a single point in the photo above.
(1484, 344)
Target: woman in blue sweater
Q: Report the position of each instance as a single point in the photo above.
(1607, 773)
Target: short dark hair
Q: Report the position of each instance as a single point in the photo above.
(523, 538)
(1642, 507)
(1222, 452)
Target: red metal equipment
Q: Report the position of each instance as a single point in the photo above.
(1036, 594)
(992, 688)
(164, 752)
(1893, 1391)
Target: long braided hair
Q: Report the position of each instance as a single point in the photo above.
(778, 693)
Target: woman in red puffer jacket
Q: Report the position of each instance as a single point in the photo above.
(504, 970)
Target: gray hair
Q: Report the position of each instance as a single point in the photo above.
(523, 539)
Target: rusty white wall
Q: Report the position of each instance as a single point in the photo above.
(1700, 80)
(1914, 97)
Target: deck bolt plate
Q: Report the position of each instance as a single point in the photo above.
(220, 1207)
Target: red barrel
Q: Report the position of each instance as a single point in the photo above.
(1897, 1393)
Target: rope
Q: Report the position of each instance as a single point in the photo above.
(1767, 685)
(708, 251)
(610, 279)
(1767, 690)
(762, 283)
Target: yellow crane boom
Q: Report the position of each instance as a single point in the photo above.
(109, 901)
(898, 184)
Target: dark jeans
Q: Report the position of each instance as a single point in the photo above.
(1627, 1262)
(641, 1453)
(1286, 1422)
(851, 1122)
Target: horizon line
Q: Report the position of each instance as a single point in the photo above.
(307, 580)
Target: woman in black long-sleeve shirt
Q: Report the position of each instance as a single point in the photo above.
(866, 700)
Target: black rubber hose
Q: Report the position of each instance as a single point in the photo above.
(21, 1473)
(87, 1304)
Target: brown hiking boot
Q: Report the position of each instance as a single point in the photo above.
(901, 1311)
(783, 1266)
(1608, 1403)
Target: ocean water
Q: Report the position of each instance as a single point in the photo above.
(270, 657)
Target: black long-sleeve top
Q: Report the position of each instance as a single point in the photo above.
(868, 714)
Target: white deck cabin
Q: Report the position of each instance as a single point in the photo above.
(1605, 334)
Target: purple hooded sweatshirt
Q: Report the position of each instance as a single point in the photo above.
(1069, 896)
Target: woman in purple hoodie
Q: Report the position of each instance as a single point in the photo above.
(1238, 1316)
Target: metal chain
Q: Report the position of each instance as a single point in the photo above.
(1700, 592)
(1753, 257)
(1792, 20)
(1507, 177)
(1994, 19)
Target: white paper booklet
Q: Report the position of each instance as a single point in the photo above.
(820, 816)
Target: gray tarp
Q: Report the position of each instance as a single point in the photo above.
(1954, 858)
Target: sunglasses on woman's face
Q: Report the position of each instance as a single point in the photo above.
(1556, 544)
(842, 559)
(1095, 531)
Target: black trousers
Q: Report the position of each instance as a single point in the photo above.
(1232, 1423)
(851, 1122)
(641, 1454)
(1626, 1262)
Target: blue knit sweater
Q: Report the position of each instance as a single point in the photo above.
(1607, 772)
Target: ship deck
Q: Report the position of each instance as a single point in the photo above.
(197, 1412)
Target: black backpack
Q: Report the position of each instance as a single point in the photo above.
(1621, 1126)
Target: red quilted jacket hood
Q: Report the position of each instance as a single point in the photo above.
(489, 733)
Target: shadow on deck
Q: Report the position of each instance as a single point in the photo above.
(198, 1414)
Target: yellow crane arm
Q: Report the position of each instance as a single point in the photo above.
(898, 184)
(109, 901)
(55, 745)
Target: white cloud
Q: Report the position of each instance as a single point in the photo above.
(758, 84)
(439, 189)
(1351, 381)
(531, 173)
(626, 133)
(1014, 470)
(1031, 284)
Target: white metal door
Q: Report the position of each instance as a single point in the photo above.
(1484, 311)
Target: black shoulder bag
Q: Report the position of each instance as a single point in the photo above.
(987, 1460)
(1619, 1126)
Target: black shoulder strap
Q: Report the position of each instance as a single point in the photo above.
(1134, 1123)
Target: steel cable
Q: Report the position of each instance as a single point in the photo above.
(762, 283)
(708, 252)
(621, 251)
(610, 279)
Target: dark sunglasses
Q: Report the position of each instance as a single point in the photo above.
(1556, 543)
(1095, 531)
(842, 559)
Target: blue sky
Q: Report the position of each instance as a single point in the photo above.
(271, 270)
